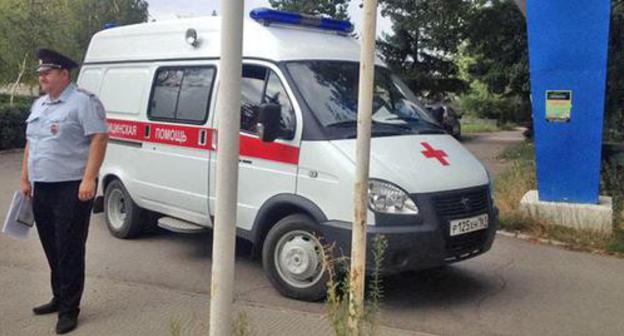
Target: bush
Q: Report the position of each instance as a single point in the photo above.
(481, 103)
(612, 184)
(12, 125)
(17, 100)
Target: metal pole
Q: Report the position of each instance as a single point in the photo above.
(365, 104)
(228, 109)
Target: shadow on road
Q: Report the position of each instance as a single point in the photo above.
(448, 285)
(196, 246)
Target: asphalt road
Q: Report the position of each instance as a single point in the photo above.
(518, 288)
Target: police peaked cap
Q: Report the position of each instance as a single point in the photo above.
(50, 59)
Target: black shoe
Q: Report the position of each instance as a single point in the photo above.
(50, 307)
(66, 323)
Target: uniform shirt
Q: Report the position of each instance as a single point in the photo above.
(58, 133)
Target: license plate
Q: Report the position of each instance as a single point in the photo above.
(465, 225)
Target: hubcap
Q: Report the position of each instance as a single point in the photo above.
(116, 209)
(299, 259)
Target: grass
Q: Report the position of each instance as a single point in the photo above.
(472, 125)
(197, 325)
(241, 326)
(478, 128)
(520, 177)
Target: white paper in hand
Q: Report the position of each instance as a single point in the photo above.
(19, 219)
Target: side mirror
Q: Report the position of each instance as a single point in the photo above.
(269, 122)
(438, 114)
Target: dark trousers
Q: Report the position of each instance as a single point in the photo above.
(63, 224)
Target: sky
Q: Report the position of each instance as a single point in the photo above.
(168, 10)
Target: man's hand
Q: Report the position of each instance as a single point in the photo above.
(26, 188)
(87, 190)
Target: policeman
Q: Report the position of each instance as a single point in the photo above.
(66, 140)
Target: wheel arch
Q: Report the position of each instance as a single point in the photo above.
(278, 207)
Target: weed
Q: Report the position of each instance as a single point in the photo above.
(612, 184)
(616, 245)
(338, 290)
(196, 324)
(175, 327)
(375, 288)
(512, 184)
(523, 152)
(241, 326)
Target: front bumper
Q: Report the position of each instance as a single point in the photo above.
(423, 241)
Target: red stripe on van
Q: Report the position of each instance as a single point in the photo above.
(127, 130)
(184, 136)
(198, 137)
(254, 147)
(176, 135)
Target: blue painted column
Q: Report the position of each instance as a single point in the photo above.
(568, 42)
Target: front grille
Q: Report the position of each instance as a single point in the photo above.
(462, 204)
(458, 205)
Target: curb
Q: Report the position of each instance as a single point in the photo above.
(525, 236)
(556, 243)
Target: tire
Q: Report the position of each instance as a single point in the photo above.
(123, 217)
(292, 258)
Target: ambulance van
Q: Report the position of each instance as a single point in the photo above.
(428, 196)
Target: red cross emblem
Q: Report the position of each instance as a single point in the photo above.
(430, 152)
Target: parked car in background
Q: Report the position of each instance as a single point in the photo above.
(447, 117)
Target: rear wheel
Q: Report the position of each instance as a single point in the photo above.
(123, 216)
(292, 258)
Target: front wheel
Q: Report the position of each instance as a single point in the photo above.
(292, 258)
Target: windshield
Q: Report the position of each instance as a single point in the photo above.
(330, 89)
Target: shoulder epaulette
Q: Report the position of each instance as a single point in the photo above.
(87, 92)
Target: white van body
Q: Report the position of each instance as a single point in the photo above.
(165, 161)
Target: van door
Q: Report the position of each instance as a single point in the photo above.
(174, 165)
(265, 169)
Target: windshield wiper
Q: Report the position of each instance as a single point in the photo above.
(343, 123)
(375, 125)
(377, 129)
(436, 128)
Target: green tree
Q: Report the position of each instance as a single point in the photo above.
(336, 9)
(64, 25)
(426, 36)
(614, 118)
(87, 17)
(494, 58)
(25, 26)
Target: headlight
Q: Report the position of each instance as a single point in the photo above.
(384, 197)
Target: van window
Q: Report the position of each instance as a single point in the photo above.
(262, 85)
(90, 80)
(124, 89)
(181, 94)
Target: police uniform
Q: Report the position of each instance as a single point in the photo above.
(58, 132)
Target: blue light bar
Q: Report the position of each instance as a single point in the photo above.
(268, 16)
